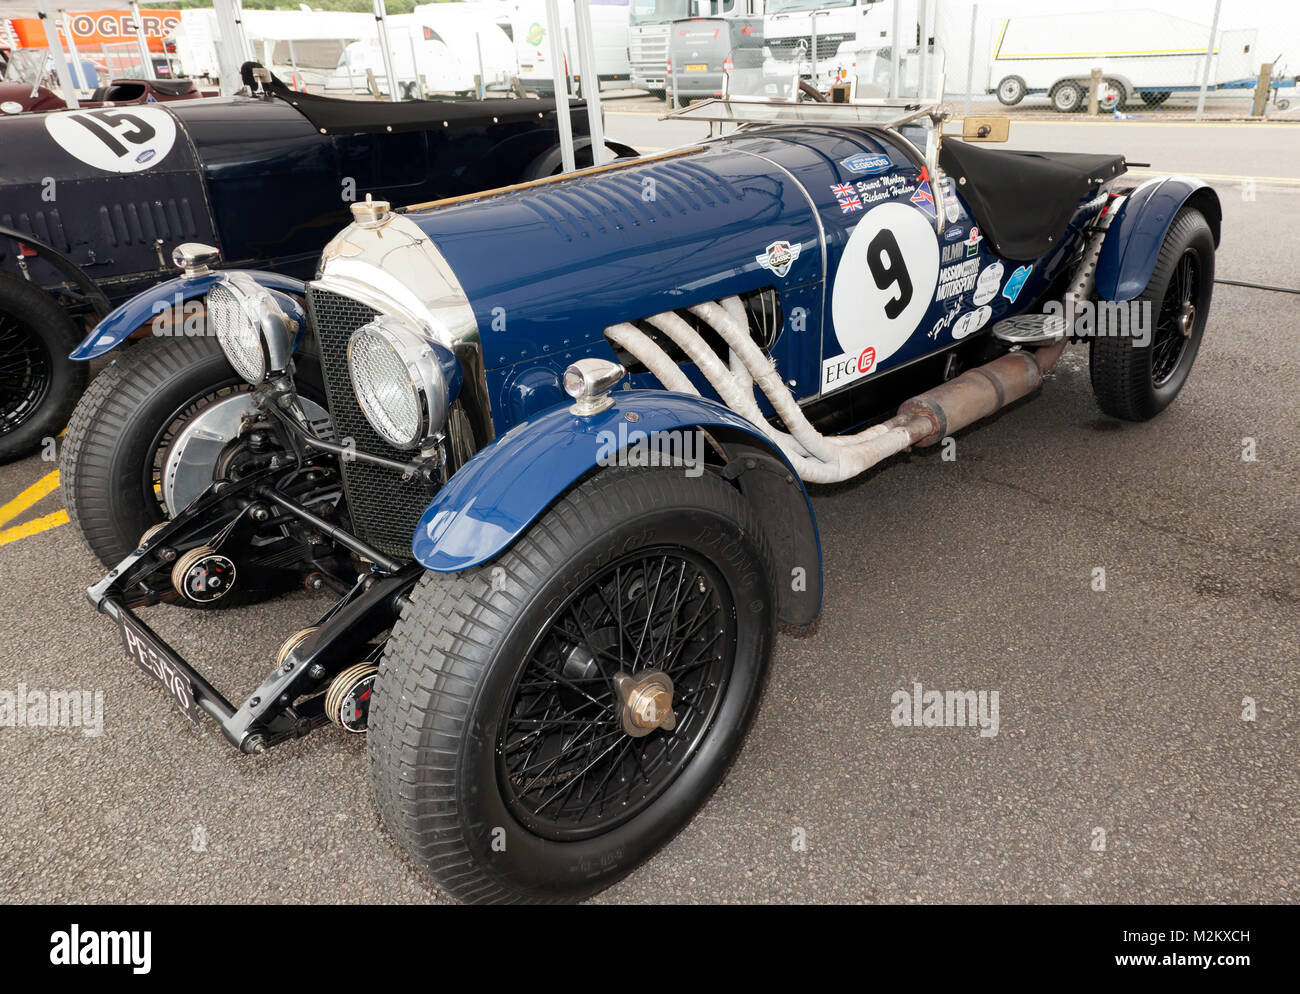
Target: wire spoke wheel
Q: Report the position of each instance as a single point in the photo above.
(568, 767)
(25, 372)
(1176, 319)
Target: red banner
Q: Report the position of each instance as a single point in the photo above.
(93, 29)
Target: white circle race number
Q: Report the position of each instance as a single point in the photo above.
(886, 280)
(117, 140)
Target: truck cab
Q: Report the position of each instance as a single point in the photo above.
(790, 27)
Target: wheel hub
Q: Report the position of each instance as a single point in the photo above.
(1187, 319)
(645, 703)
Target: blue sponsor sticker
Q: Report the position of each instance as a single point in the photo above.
(952, 234)
(864, 162)
(1016, 282)
(146, 155)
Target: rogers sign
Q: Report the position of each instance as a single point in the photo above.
(93, 29)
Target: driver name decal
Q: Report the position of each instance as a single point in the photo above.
(116, 140)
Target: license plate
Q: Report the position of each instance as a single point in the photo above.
(697, 68)
(145, 652)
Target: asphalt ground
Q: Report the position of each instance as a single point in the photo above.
(1121, 711)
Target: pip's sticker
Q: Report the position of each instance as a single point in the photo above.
(779, 257)
(970, 323)
(885, 281)
(1016, 283)
(986, 287)
(126, 140)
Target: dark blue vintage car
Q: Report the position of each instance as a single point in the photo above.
(93, 203)
(519, 434)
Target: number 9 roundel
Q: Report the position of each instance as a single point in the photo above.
(886, 280)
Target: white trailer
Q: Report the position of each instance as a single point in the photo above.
(1143, 54)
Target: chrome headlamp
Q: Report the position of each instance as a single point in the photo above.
(251, 327)
(404, 383)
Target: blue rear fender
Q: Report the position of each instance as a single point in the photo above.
(1133, 240)
(142, 308)
(496, 495)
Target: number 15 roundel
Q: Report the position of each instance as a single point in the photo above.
(118, 140)
(886, 280)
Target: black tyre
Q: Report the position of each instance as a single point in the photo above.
(1011, 91)
(1137, 381)
(39, 384)
(498, 754)
(1067, 97)
(1154, 98)
(119, 435)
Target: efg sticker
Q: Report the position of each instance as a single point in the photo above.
(117, 140)
(885, 281)
(970, 323)
(779, 257)
(986, 287)
(1016, 283)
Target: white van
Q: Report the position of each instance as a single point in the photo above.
(609, 28)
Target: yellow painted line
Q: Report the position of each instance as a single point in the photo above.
(1143, 122)
(43, 487)
(33, 527)
(1224, 177)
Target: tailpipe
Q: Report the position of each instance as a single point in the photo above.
(975, 394)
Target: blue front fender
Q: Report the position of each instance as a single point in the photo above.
(1128, 256)
(498, 493)
(140, 309)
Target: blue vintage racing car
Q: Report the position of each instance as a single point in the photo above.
(548, 445)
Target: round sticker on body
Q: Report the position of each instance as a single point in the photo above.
(125, 140)
(971, 322)
(886, 279)
(986, 287)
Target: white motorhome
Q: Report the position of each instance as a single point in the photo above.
(1143, 54)
(609, 29)
(437, 49)
(295, 45)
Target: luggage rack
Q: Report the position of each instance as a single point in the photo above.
(880, 113)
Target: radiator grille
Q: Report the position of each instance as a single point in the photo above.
(787, 49)
(385, 509)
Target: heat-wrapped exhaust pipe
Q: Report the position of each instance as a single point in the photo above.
(923, 420)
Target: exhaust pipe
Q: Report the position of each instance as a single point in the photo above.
(975, 394)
